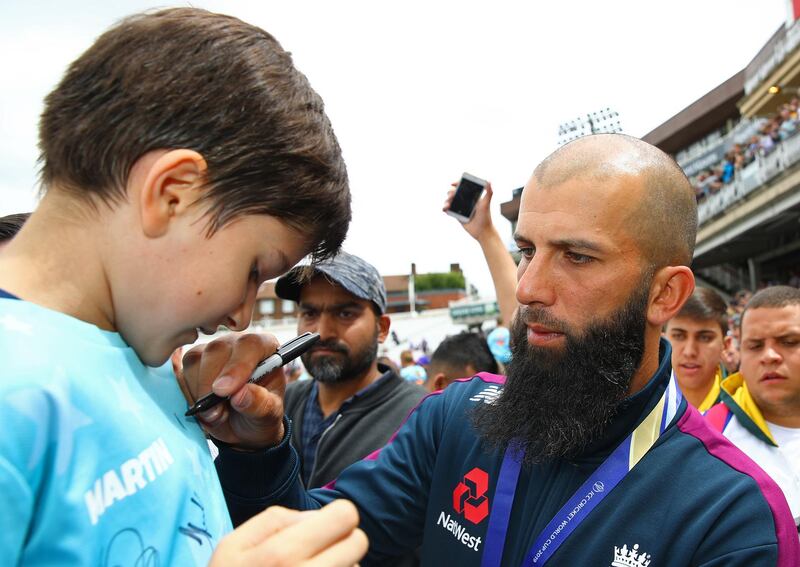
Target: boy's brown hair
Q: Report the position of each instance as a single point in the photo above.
(774, 297)
(705, 304)
(187, 78)
(11, 224)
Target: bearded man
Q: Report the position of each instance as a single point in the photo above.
(353, 405)
(586, 454)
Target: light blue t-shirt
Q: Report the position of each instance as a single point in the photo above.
(98, 465)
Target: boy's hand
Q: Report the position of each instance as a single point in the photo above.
(253, 418)
(481, 222)
(279, 536)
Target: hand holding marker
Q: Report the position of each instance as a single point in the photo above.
(286, 353)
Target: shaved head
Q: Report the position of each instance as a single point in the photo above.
(663, 209)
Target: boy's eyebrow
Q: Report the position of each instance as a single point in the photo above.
(706, 332)
(788, 335)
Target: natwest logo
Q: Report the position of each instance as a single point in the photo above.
(469, 497)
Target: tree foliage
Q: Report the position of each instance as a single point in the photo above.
(442, 280)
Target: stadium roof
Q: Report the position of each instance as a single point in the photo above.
(703, 116)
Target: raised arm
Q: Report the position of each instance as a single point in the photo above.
(498, 259)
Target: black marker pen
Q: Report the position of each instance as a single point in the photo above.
(286, 353)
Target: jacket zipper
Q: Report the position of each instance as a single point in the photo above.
(319, 443)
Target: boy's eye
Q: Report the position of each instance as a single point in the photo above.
(254, 273)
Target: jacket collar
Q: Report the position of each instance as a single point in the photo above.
(735, 395)
(713, 394)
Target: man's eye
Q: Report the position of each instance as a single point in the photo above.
(576, 258)
(526, 251)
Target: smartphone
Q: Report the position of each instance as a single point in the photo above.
(466, 197)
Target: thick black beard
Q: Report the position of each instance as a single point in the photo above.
(555, 403)
(337, 369)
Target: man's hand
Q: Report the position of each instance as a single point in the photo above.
(279, 536)
(498, 259)
(253, 418)
(480, 225)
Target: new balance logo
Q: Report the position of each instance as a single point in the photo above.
(487, 396)
(469, 497)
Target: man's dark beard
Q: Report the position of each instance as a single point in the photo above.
(555, 403)
(332, 369)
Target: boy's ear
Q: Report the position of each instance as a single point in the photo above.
(172, 182)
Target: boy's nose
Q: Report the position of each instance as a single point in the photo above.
(240, 319)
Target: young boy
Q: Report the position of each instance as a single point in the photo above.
(759, 409)
(184, 161)
(699, 335)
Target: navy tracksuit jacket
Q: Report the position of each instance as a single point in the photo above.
(693, 499)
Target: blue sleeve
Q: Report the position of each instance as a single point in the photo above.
(252, 481)
(390, 491)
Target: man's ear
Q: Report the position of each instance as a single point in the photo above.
(670, 289)
(171, 183)
(384, 322)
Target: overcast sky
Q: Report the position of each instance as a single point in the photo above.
(420, 91)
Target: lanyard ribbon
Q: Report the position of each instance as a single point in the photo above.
(602, 481)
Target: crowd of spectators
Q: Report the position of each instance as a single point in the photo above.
(770, 132)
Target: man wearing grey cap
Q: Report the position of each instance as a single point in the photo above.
(353, 405)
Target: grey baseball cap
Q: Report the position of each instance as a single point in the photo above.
(351, 272)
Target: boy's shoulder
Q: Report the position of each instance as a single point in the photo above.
(34, 341)
(50, 355)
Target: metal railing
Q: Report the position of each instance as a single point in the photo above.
(758, 173)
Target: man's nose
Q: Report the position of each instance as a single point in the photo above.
(325, 326)
(534, 282)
